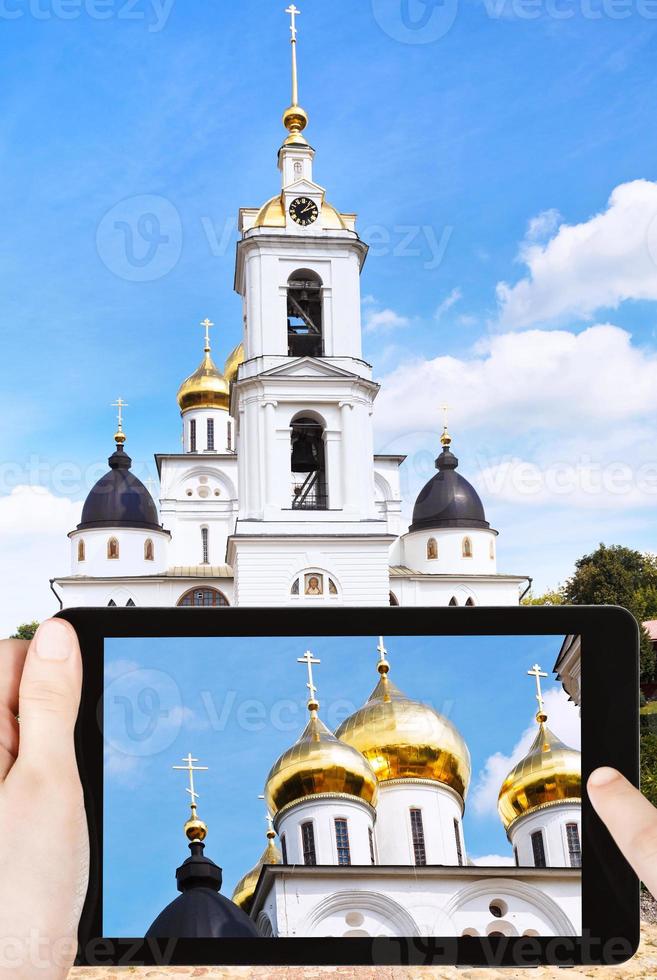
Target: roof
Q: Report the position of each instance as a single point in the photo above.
(119, 499)
(401, 571)
(448, 500)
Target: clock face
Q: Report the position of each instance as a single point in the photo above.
(304, 211)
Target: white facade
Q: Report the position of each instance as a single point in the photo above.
(321, 813)
(441, 812)
(397, 901)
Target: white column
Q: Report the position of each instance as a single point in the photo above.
(327, 322)
(349, 475)
(270, 503)
(332, 452)
(252, 449)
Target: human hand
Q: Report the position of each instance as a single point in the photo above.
(44, 845)
(630, 819)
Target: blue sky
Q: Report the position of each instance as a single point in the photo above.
(477, 151)
(237, 704)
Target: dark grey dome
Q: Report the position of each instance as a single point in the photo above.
(119, 499)
(448, 500)
(201, 912)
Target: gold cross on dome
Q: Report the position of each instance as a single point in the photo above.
(208, 324)
(191, 769)
(268, 817)
(293, 12)
(383, 653)
(119, 404)
(537, 673)
(309, 660)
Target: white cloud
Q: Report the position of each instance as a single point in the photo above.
(593, 265)
(563, 720)
(383, 321)
(493, 861)
(34, 524)
(448, 302)
(542, 226)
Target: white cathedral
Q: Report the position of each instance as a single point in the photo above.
(278, 498)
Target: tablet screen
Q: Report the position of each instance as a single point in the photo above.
(342, 786)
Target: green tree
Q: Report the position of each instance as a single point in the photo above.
(618, 576)
(26, 631)
(553, 597)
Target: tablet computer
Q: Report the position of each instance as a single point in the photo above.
(355, 786)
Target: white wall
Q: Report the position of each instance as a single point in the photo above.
(163, 591)
(322, 813)
(221, 421)
(131, 560)
(437, 591)
(439, 807)
(552, 822)
(450, 558)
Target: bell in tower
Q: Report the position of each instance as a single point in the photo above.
(304, 315)
(308, 466)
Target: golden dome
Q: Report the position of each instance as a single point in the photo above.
(319, 763)
(272, 215)
(205, 388)
(405, 739)
(233, 361)
(246, 886)
(550, 773)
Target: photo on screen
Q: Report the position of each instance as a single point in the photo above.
(352, 786)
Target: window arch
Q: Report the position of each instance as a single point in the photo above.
(82, 554)
(308, 464)
(113, 549)
(203, 598)
(432, 549)
(305, 329)
(149, 550)
(470, 601)
(453, 601)
(467, 547)
(205, 546)
(394, 601)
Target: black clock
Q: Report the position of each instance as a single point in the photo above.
(304, 211)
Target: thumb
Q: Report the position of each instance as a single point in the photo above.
(49, 698)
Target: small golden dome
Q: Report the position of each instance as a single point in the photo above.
(550, 773)
(195, 829)
(319, 763)
(233, 361)
(272, 215)
(295, 120)
(405, 739)
(205, 388)
(246, 886)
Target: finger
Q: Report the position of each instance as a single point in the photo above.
(49, 699)
(630, 819)
(12, 658)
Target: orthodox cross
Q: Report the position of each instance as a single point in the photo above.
(383, 653)
(208, 324)
(293, 12)
(269, 818)
(537, 673)
(119, 404)
(191, 769)
(309, 660)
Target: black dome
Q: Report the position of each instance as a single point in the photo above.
(119, 499)
(448, 500)
(201, 912)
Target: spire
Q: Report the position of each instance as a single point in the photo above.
(310, 661)
(195, 830)
(383, 688)
(295, 118)
(119, 436)
(446, 439)
(537, 673)
(207, 324)
(446, 460)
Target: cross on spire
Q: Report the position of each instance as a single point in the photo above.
(309, 660)
(446, 439)
(119, 404)
(383, 664)
(191, 769)
(208, 324)
(537, 673)
(270, 820)
(294, 12)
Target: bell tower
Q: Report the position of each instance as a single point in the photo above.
(303, 397)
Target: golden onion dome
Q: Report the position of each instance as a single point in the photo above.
(246, 886)
(233, 361)
(319, 764)
(549, 774)
(406, 739)
(205, 388)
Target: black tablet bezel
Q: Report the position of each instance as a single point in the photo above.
(609, 716)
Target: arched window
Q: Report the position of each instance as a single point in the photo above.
(149, 550)
(305, 334)
(308, 465)
(192, 435)
(467, 548)
(205, 546)
(284, 849)
(308, 843)
(113, 549)
(453, 601)
(432, 549)
(469, 601)
(203, 597)
(130, 604)
(111, 604)
(81, 550)
(417, 834)
(210, 435)
(342, 841)
(459, 846)
(394, 601)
